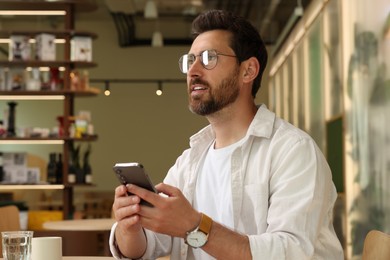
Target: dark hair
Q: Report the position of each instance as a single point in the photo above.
(246, 41)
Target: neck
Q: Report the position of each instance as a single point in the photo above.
(231, 123)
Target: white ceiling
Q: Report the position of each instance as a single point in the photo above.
(175, 16)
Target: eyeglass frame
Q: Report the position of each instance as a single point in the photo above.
(201, 59)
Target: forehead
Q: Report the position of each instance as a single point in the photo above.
(216, 39)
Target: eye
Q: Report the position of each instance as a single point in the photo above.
(190, 59)
(212, 56)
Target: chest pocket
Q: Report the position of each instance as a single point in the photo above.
(254, 211)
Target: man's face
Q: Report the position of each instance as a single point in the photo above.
(211, 90)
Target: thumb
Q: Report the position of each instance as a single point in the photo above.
(166, 189)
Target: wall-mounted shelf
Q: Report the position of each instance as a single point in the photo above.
(66, 94)
(90, 92)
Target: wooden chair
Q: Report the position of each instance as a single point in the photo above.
(376, 246)
(9, 220)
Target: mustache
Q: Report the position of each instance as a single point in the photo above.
(198, 81)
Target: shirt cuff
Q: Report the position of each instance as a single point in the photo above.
(116, 253)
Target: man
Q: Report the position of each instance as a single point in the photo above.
(251, 186)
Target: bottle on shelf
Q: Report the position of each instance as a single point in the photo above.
(74, 164)
(11, 130)
(33, 82)
(87, 166)
(52, 169)
(80, 177)
(55, 81)
(59, 166)
(77, 166)
(3, 129)
(88, 174)
(71, 173)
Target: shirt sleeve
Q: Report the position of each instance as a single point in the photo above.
(158, 245)
(301, 198)
(113, 245)
(150, 250)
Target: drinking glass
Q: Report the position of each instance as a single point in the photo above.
(17, 245)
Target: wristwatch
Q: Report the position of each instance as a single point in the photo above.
(198, 237)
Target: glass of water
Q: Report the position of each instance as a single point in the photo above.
(17, 245)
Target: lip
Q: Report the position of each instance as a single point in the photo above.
(198, 87)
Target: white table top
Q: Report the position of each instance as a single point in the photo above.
(86, 257)
(102, 224)
(96, 257)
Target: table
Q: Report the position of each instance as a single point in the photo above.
(95, 231)
(87, 257)
(94, 257)
(100, 224)
(84, 258)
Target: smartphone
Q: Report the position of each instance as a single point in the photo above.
(134, 173)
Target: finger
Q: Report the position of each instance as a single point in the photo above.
(142, 193)
(169, 190)
(129, 221)
(120, 191)
(120, 202)
(126, 212)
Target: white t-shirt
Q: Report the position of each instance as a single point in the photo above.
(213, 194)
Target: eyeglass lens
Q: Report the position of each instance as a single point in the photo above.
(208, 58)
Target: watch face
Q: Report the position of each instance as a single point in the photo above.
(196, 239)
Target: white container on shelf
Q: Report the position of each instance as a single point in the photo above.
(45, 47)
(81, 48)
(19, 48)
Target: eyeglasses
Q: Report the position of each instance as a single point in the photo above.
(208, 58)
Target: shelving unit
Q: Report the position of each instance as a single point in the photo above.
(67, 94)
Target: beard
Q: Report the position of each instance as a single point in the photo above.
(219, 97)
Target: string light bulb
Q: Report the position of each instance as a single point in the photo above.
(159, 90)
(107, 91)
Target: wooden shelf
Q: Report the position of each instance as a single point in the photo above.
(67, 96)
(77, 93)
(23, 139)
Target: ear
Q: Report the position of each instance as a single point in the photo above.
(250, 69)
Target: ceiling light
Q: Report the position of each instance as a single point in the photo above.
(150, 10)
(107, 91)
(159, 90)
(157, 39)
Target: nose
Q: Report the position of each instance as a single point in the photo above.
(196, 68)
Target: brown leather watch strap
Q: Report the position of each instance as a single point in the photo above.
(205, 224)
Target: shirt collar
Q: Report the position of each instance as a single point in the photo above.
(261, 126)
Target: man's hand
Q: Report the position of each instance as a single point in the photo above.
(129, 235)
(172, 214)
(125, 209)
